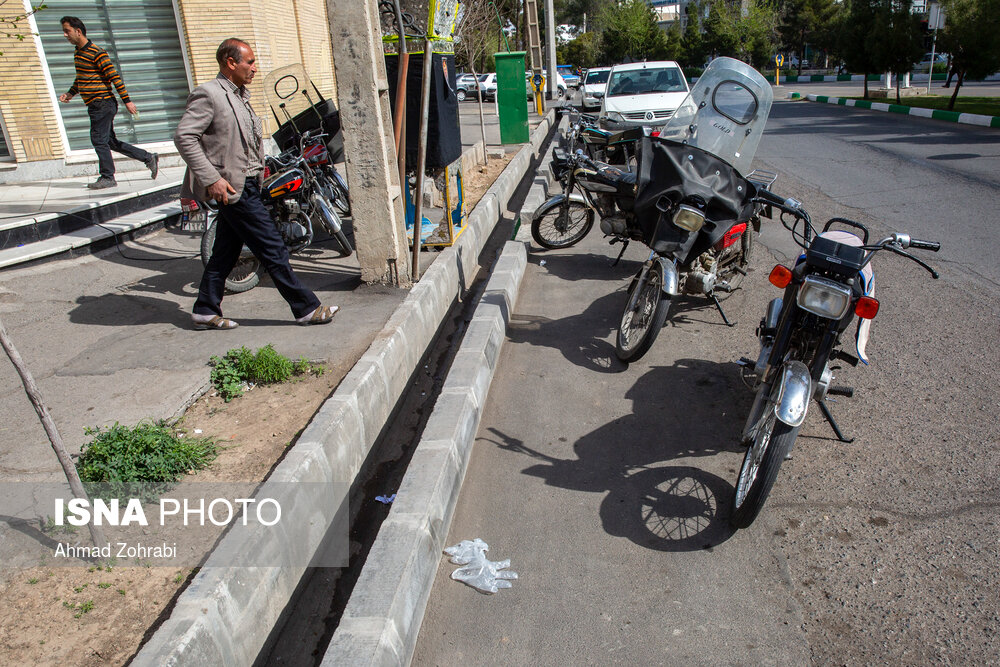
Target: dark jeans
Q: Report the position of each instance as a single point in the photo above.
(102, 136)
(248, 223)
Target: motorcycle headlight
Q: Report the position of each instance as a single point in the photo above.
(823, 297)
(689, 218)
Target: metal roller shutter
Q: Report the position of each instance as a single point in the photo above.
(142, 40)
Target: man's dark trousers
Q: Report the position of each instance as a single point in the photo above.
(102, 136)
(248, 222)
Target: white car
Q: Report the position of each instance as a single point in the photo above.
(642, 94)
(595, 81)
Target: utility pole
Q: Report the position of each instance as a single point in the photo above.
(550, 35)
(372, 169)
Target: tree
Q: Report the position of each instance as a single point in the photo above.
(693, 42)
(896, 41)
(584, 51)
(630, 32)
(475, 38)
(972, 37)
(853, 43)
(747, 33)
(10, 23)
(802, 22)
(673, 47)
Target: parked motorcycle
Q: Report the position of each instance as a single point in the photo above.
(695, 209)
(801, 335)
(296, 199)
(316, 152)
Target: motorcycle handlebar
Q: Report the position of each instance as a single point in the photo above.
(933, 246)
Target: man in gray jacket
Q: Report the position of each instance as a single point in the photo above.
(221, 140)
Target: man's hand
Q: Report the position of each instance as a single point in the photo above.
(130, 106)
(65, 97)
(220, 191)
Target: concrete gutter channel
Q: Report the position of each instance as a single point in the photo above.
(226, 614)
(381, 622)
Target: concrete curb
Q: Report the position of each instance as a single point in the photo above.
(938, 114)
(382, 619)
(225, 614)
(819, 78)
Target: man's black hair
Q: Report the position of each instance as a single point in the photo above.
(74, 23)
(230, 48)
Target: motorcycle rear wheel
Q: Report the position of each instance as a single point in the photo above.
(771, 440)
(245, 275)
(562, 224)
(645, 312)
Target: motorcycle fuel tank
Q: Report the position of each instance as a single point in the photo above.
(283, 184)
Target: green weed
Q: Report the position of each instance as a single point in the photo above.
(104, 584)
(33, 580)
(240, 367)
(83, 608)
(148, 453)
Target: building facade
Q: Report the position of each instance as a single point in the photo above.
(162, 49)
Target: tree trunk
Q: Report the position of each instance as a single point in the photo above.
(958, 84)
(35, 396)
(482, 118)
(866, 85)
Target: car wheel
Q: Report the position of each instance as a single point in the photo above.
(460, 93)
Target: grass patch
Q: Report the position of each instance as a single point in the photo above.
(239, 368)
(985, 106)
(150, 453)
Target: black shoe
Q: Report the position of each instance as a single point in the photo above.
(154, 165)
(102, 183)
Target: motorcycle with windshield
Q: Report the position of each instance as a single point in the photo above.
(803, 333)
(693, 206)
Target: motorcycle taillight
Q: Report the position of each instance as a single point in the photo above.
(732, 236)
(188, 205)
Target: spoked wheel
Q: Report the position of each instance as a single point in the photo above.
(245, 275)
(735, 267)
(645, 313)
(334, 226)
(770, 440)
(339, 195)
(562, 224)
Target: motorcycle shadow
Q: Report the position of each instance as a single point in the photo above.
(694, 408)
(572, 266)
(580, 338)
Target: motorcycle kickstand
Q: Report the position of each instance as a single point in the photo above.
(718, 305)
(833, 422)
(619, 257)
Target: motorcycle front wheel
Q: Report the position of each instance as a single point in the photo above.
(340, 196)
(770, 440)
(245, 275)
(562, 224)
(644, 315)
(334, 226)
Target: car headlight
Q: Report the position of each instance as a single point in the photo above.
(823, 297)
(689, 218)
(614, 116)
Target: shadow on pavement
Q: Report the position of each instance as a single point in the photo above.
(666, 508)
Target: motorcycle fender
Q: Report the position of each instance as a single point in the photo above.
(671, 280)
(794, 391)
(555, 200)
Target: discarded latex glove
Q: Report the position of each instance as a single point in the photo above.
(386, 500)
(478, 572)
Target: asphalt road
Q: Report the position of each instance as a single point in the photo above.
(608, 485)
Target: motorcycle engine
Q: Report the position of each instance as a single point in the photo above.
(701, 278)
(613, 225)
(292, 231)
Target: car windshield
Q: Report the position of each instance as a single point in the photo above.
(594, 78)
(646, 81)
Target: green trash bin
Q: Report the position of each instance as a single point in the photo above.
(512, 97)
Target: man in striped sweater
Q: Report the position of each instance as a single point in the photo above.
(95, 75)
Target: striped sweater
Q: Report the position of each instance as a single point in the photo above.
(95, 75)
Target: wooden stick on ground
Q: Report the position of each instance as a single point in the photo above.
(31, 389)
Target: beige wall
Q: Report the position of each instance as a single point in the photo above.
(281, 32)
(28, 112)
